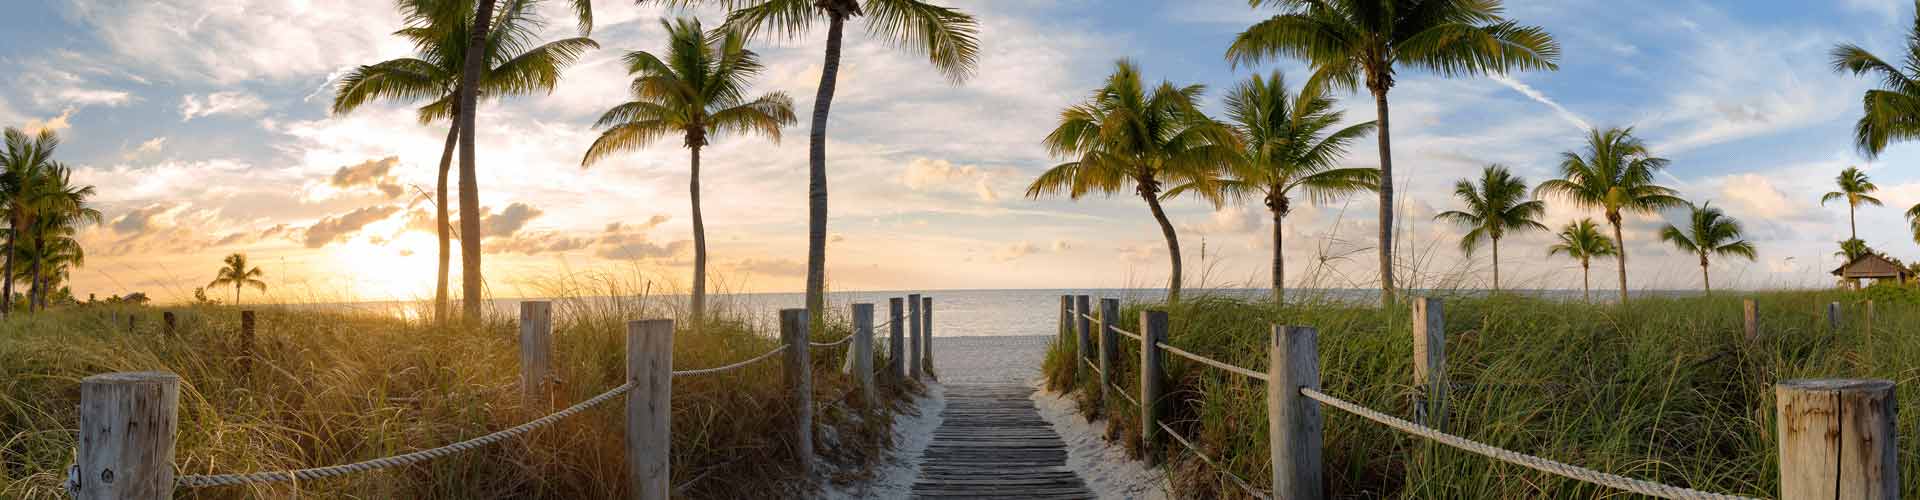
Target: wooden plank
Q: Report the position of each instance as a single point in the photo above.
(992, 443)
(127, 423)
(1837, 440)
(649, 437)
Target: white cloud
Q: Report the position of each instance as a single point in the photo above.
(1541, 97)
(232, 102)
(56, 123)
(99, 97)
(225, 41)
(148, 147)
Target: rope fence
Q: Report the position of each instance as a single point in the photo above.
(1115, 328)
(1255, 492)
(735, 366)
(1212, 362)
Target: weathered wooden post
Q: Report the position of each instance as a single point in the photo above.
(127, 421)
(1109, 348)
(793, 329)
(167, 323)
(1083, 327)
(1066, 336)
(926, 330)
(1430, 361)
(649, 408)
(536, 353)
(1153, 330)
(133, 322)
(1294, 425)
(863, 353)
(913, 335)
(896, 341)
(1833, 317)
(1837, 440)
(246, 343)
(1867, 321)
(1750, 313)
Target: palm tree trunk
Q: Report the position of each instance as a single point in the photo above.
(1586, 281)
(442, 226)
(1705, 280)
(1173, 243)
(1386, 199)
(817, 174)
(1622, 258)
(469, 187)
(1496, 266)
(699, 246)
(6, 283)
(1279, 264)
(236, 294)
(33, 295)
(1853, 231)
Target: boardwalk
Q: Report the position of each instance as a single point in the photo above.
(992, 443)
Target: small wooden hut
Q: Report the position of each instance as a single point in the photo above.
(1874, 267)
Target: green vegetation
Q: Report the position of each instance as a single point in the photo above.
(332, 386)
(1856, 188)
(1496, 207)
(1615, 175)
(44, 211)
(1582, 240)
(1669, 393)
(1709, 232)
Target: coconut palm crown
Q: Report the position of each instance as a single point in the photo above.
(1131, 137)
(1496, 207)
(1891, 112)
(1614, 174)
(1709, 233)
(1855, 187)
(1583, 241)
(237, 274)
(1355, 42)
(697, 91)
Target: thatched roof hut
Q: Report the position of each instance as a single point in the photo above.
(1873, 266)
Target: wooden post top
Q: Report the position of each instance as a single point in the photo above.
(1837, 385)
(122, 378)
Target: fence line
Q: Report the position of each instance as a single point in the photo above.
(742, 364)
(1116, 328)
(1255, 492)
(1211, 362)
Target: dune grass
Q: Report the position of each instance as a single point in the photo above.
(1666, 389)
(332, 386)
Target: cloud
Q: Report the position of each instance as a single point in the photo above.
(92, 97)
(371, 173)
(231, 102)
(1541, 97)
(924, 174)
(1756, 195)
(335, 228)
(137, 220)
(534, 243)
(1015, 251)
(509, 221)
(56, 124)
(148, 147)
(235, 40)
(772, 267)
(635, 246)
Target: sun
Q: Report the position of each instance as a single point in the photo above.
(401, 268)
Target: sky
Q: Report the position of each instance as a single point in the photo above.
(204, 125)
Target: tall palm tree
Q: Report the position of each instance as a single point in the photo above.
(23, 167)
(1289, 142)
(1496, 207)
(1127, 136)
(57, 209)
(1583, 240)
(1855, 188)
(697, 91)
(1891, 112)
(1709, 232)
(948, 38)
(1913, 222)
(1615, 175)
(439, 30)
(238, 274)
(1347, 40)
(52, 254)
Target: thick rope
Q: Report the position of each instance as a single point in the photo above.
(842, 340)
(398, 460)
(1520, 459)
(1116, 329)
(1256, 493)
(1211, 362)
(718, 369)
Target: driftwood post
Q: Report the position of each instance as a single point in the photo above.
(896, 341)
(1833, 317)
(793, 329)
(863, 352)
(167, 323)
(1750, 313)
(1294, 425)
(1066, 336)
(1153, 330)
(926, 330)
(649, 408)
(1083, 327)
(246, 343)
(536, 353)
(913, 336)
(1430, 361)
(1837, 440)
(1109, 348)
(127, 421)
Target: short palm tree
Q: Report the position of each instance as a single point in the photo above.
(1913, 221)
(1709, 232)
(22, 168)
(699, 90)
(1349, 41)
(1891, 112)
(1583, 240)
(1129, 137)
(947, 37)
(1496, 207)
(1289, 143)
(237, 274)
(1855, 188)
(439, 30)
(1614, 174)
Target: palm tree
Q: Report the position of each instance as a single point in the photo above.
(1891, 112)
(1583, 240)
(52, 254)
(57, 208)
(697, 91)
(1345, 40)
(1913, 222)
(948, 38)
(237, 273)
(438, 30)
(1289, 142)
(1498, 206)
(1709, 232)
(1615, 175)
(1127, 136)
(21, 167)
(1854, 187)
